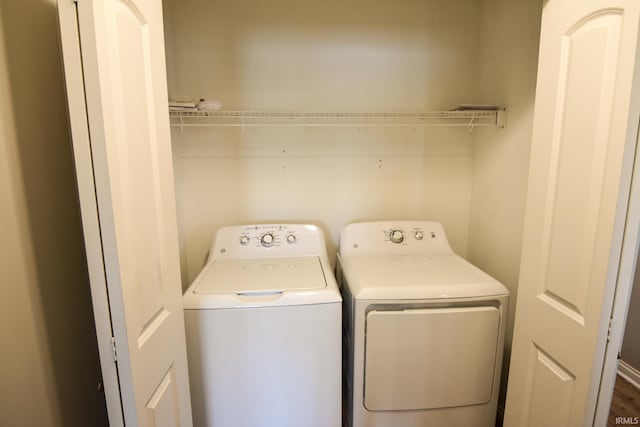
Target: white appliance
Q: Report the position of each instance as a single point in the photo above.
(423, 329)
(263, 323)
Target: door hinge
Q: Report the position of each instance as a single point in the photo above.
(113, 349)
(610, 330)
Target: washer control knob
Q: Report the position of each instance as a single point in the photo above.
(244, 240)
(267, 240)
(291, 238)
(396, 236)
(419, 235)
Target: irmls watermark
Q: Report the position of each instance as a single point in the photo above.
(627, 421)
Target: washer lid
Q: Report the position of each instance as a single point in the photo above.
(256, 276)
(417, 277)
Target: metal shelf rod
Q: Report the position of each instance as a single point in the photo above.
(331, 125)
(467, 118)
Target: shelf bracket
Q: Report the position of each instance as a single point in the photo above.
(501, 118)
(471, 126)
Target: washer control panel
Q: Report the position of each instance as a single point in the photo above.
(268, 240)
(268, 236)
(400, 237)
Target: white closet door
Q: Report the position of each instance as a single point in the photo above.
(129, 155)
(582, 152)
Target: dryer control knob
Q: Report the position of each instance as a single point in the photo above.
(396, 236)
(267, 240)
(244, 240)
(291, 238)
(419, 235)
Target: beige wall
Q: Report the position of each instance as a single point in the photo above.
(508, 64)
(50, 369)
(407, 55)
(27, 395)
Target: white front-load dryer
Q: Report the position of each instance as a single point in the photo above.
(263, 323)
(423, 329)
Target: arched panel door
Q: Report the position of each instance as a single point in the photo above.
(122, 145)
(581, 161)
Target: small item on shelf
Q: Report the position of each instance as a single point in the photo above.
(205, 105)
(172, 108)
(182, 106)
(185, 104)
(477, 107)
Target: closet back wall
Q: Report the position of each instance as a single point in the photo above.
(509, 42)
(282, 55)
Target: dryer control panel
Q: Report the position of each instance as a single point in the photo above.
(394, 237)
(259, 240)
(402, 235)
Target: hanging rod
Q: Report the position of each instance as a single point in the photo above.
(466, 118)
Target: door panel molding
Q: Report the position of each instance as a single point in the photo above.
(576, 207)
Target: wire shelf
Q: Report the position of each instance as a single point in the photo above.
(465, 118)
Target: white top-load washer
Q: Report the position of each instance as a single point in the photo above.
(423, 329)
(263, 322)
